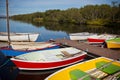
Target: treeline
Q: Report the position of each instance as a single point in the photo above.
(91, 14)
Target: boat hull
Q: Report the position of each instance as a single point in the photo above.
(113, 43)
(24, 65)
(84, 66)
(95, 40)
(20, 37)
(78, 37)
(81, 36)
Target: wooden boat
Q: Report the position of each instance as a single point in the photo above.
(18, 48)
(100, 38)
(113, 43)
(97, 68)
(48, 59)
(27, 46)
(81, 36)
(19, 36)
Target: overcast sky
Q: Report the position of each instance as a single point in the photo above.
(30, 6)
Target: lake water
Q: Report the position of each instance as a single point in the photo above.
(45, 34)
(53, 30)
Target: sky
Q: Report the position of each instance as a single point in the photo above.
(30, 6)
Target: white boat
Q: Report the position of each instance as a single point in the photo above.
(81, 36)
(19, 36)
(48, 59)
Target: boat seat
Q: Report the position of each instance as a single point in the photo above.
(109, 69)
(77, 74)
(67, 54)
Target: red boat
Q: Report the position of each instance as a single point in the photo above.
(49, 59)
(100, 38)
(95, 40)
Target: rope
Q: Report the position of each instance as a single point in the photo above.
(91, 56)
(4, 63)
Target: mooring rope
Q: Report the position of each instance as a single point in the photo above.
(4, 63)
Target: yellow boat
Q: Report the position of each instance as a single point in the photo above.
(99, 68)
(113, 43)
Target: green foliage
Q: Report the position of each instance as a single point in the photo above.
(98, 22)
(91, 14)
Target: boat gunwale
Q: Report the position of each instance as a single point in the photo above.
(16, 34)
(113, 42)
(66, 59)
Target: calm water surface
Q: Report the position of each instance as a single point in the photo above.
(53, 30)
(45, 34)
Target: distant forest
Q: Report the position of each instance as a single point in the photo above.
(107, 15)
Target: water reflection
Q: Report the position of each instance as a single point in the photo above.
(34, 75)
(53, 30)
(6, 72)
(72, 28)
